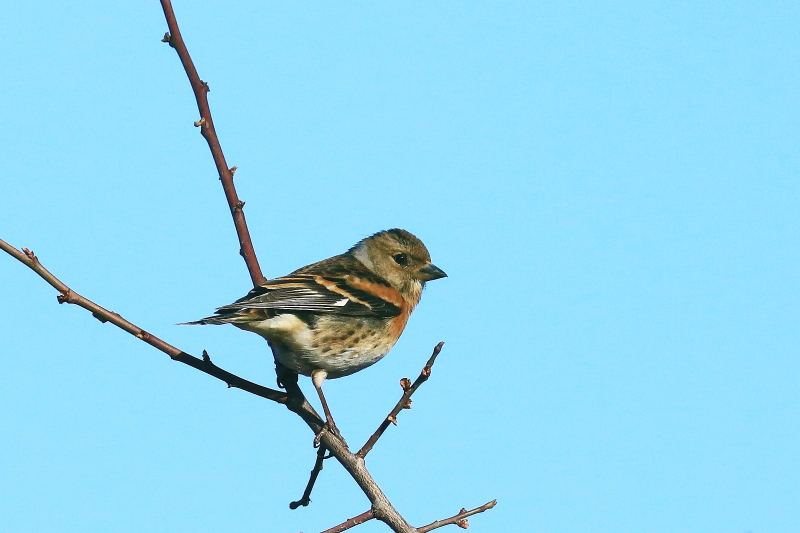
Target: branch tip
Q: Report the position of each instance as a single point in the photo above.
(460, 519)
(295, 505)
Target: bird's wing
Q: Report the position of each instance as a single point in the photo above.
(322, 294)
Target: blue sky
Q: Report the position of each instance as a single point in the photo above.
(612, 188)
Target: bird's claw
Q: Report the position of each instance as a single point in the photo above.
(331, 428)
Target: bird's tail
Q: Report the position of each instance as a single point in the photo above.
(207, 321)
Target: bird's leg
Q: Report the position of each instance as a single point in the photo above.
(317, 377)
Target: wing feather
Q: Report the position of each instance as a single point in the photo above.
(314, 293)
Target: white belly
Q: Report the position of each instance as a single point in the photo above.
(325, 347)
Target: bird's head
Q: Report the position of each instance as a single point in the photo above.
(400, 258)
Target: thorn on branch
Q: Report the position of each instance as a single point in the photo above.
(30, 254)
(200, 122)
(206, 357)
(167, 38)
(63, 298)
(233, 170)
(205, 86)
(392, 419)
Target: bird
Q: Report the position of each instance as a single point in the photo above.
(340, 315)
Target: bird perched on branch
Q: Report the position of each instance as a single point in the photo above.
(340, 315)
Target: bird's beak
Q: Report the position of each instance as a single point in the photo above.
(430, 272)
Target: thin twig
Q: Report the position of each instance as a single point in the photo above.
(206, 125)
(460, 519)
(404, 403)
(356, 520)
(67, 295)
(305, 499)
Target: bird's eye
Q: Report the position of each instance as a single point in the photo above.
(400, 259)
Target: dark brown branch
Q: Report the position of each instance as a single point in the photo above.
(382, 509)
(460, 519)
(206, 125)
(305, 499)
(67, 295)
(404, 403)
(356, 520)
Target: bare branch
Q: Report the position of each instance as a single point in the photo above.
(294, 399)
(404, 403)
(305, 499)
(67, 295)
(352, 522)
(460, 519)
(206, 125)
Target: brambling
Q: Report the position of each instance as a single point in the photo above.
(340, 315)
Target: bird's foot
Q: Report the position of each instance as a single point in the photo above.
(331, 428)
